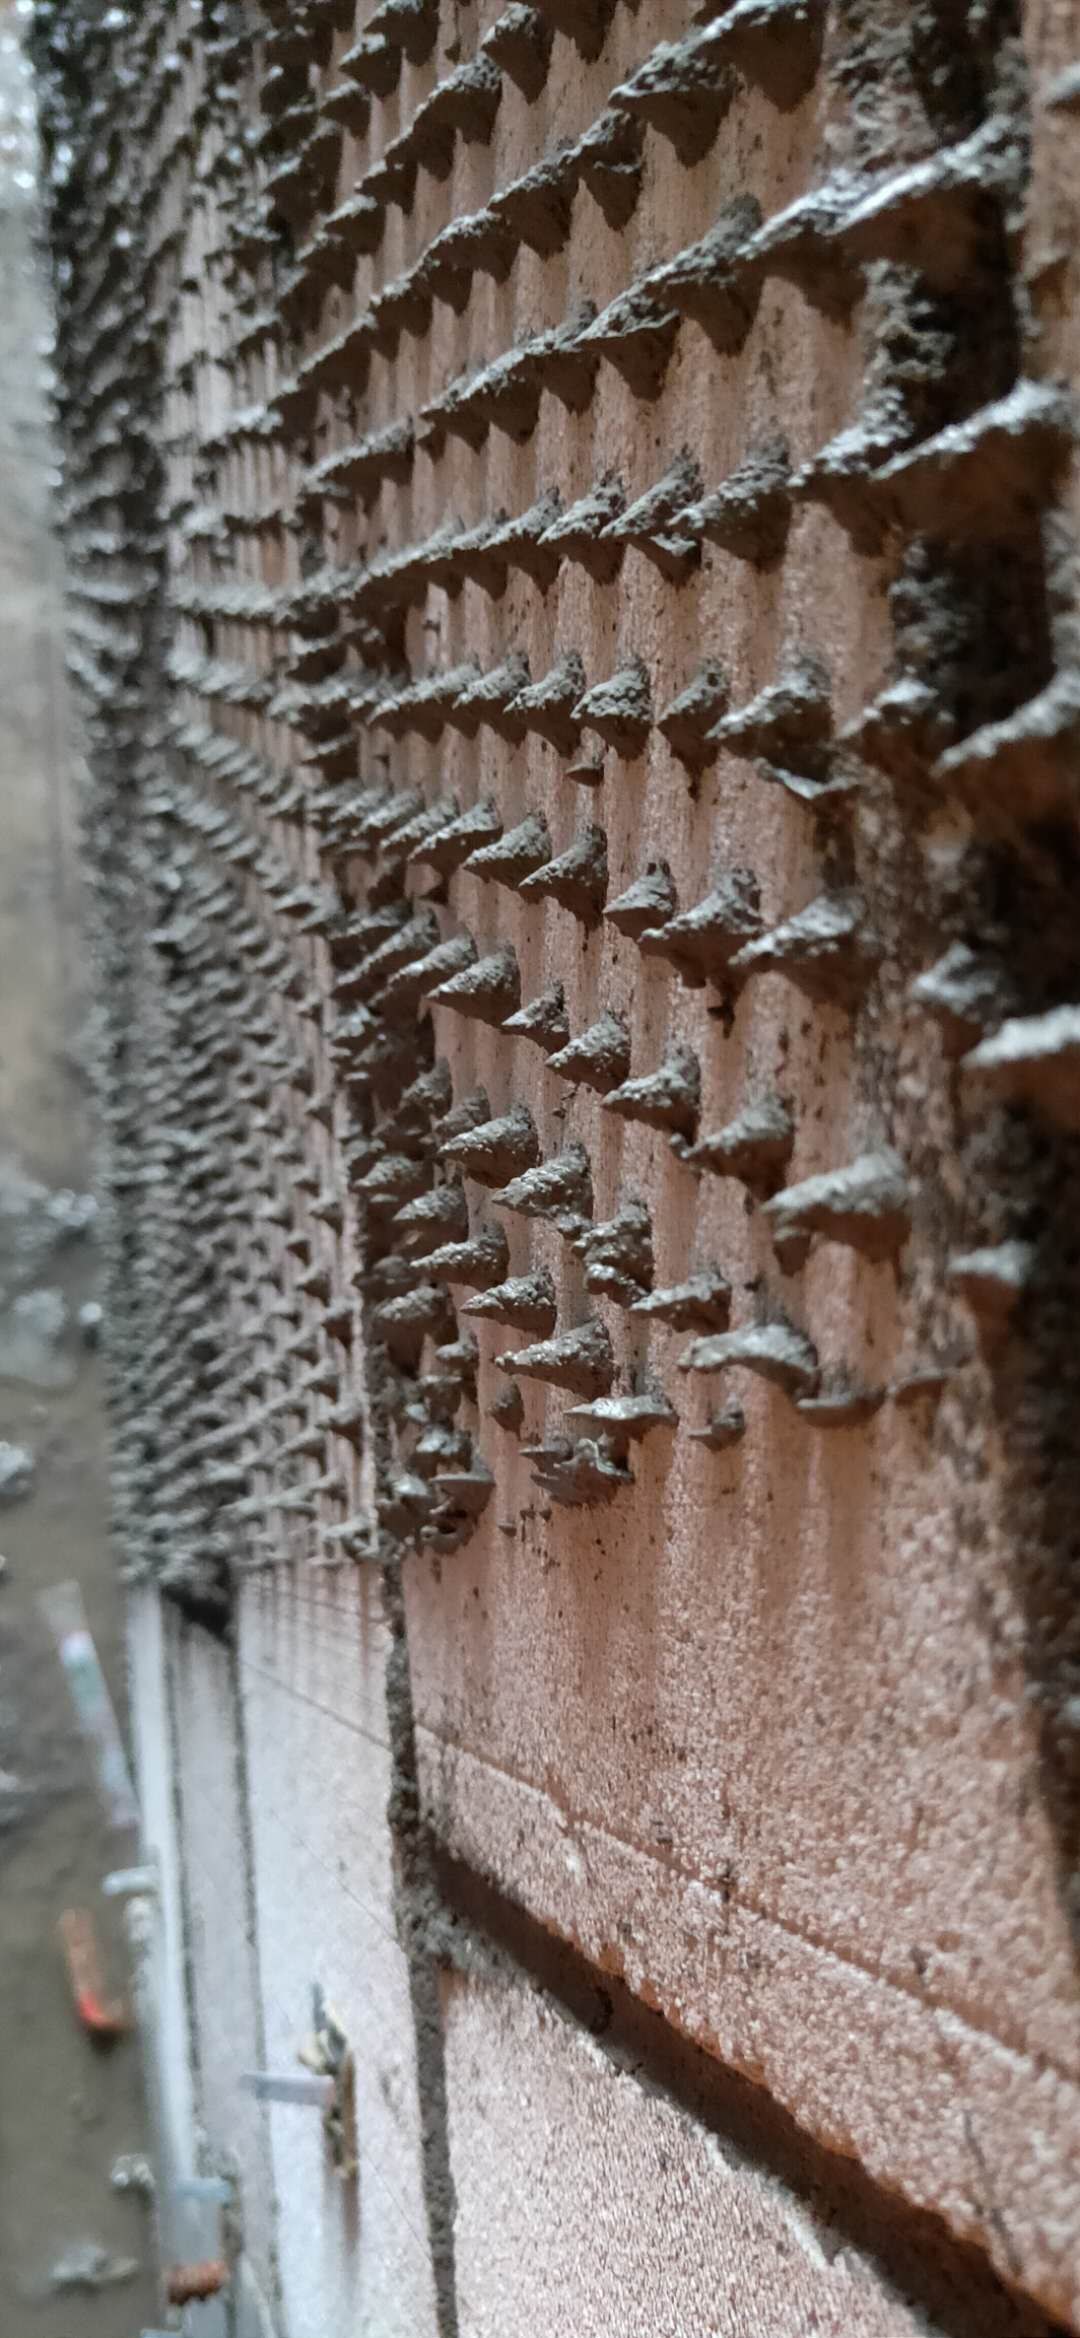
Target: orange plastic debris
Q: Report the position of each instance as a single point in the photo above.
(103, 2017)
(185, 2283)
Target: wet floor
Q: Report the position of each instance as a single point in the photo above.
(67, 2108)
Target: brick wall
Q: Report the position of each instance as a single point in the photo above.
(571, 530)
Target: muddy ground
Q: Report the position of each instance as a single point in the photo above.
(66, 2110)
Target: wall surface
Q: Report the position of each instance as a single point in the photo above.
(571, 518)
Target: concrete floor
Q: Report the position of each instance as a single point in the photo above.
(66, 2110)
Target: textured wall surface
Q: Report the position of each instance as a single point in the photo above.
(649, 2223)
(571, 516)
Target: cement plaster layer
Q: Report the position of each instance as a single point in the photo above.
(353, 2255)
(219, 1942)
(170, 2067)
